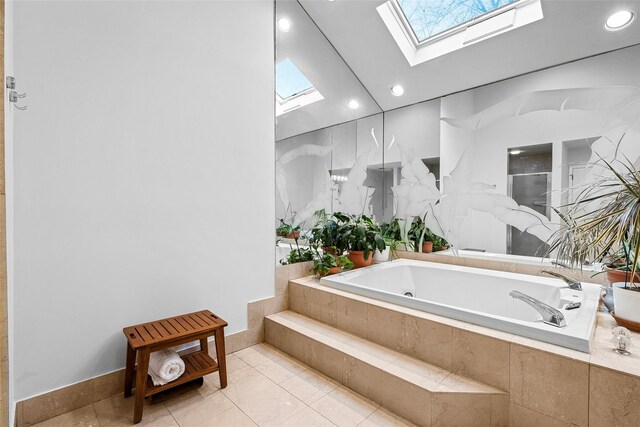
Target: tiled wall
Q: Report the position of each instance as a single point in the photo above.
(52, 404)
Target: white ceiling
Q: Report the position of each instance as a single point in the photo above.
(571, 29)
(309, 50)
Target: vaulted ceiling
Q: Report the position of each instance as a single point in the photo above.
(570, 30)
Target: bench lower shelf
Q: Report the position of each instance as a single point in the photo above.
(196, 365)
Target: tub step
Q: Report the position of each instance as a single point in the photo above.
(418, 391)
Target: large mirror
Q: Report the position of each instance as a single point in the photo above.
(505, 158)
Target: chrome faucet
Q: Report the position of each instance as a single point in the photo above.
(570, 281)
(550, 315)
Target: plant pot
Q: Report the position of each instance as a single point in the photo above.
(614, 276)
(357, 258)
(427, 247)
(333, 270)
(293, 235)
(383, 256)
(627, 302)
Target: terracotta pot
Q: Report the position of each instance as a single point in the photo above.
(333, 270)
(614, 276)
(427, 247)
(357, 258)
(293, 235)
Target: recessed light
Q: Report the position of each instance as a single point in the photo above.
(515, 152)
(353, 104)
(397, 90)
(284, 25)
(619, 20)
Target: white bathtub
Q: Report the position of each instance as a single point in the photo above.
(479, 296)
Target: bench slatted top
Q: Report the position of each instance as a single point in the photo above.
(172, 328)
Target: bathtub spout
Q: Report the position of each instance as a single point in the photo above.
(550, 315)
(570, 281)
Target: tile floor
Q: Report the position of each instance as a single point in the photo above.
(265, 388)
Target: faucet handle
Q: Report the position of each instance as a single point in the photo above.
(570, 281)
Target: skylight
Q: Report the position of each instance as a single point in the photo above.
(293, 89)
(428, 18)
(289, 80)
(427, 29)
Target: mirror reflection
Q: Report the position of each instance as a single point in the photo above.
(490, 169)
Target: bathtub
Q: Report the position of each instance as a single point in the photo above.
(479, 296)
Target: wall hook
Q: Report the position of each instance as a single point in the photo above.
(14, 96)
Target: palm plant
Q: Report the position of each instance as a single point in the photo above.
(603, 220)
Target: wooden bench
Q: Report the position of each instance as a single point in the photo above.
(146, 338)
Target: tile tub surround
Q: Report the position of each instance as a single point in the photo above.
(547, 384)
(418, 391)
(52, 404)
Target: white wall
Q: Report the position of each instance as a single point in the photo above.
(621, 68)
(416, 126)
(144, 163)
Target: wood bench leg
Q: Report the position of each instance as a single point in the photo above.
(129, 369)
(204, 345)
(141, 383)
(221, 356)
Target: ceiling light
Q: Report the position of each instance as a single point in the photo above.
(353, 104)
(515, 152)
(619, 20)
(397, 90)
(284, 25)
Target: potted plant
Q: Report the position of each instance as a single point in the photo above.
(327, 263)
(390, 233)
(605, 219)
(361, 236)
(288, 230)
(327, 231)
(299, 254)
(618, 268)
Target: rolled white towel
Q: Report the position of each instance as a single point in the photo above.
(165, 366)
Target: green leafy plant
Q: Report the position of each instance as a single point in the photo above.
(361, 234)
(298, 254)
(323, 263)
(285, 229)
(603, 223)
(328, 229)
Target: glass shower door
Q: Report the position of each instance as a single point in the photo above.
(531, 190)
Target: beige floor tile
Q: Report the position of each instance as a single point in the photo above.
(306, 417)
(344, 407)
(194, 408)
(232, 417)
(384, 418)
(118, 411)
(256, 354)
(280, 368)
(246, 383)
(270, 406)
(309, 386)
(83, 417)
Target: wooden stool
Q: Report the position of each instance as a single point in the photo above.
(153, 336)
